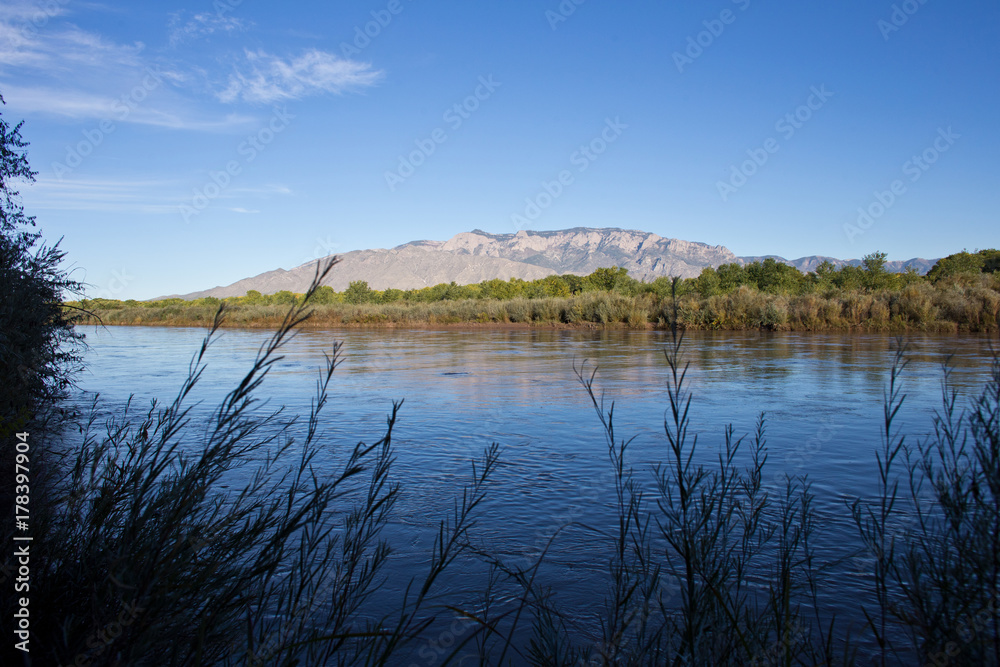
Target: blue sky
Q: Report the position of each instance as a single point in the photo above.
(185, 145)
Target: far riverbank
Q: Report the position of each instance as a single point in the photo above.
(953, 308)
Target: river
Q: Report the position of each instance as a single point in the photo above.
(463, 389)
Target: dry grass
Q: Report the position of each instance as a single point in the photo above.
(967, 305)
(278, 570)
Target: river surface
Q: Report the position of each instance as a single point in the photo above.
(463, 389)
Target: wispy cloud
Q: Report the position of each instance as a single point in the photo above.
(140, 196)
(26, 11)
(76, 75)
(266, 78)
(62, 49)
(202, 25)
(146, 196)
(76, 105)
(262, 190)
(50, 66)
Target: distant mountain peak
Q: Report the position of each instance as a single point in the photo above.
(471, 257)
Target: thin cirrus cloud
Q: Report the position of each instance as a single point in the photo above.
(63, 50)
(77, 105)
(104, 195)
(266, 78)
(122, 195)
(203, 25)
(68, 72)
(76, 75)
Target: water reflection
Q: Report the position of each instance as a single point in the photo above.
(466, 388)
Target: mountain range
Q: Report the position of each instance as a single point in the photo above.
(471, 257)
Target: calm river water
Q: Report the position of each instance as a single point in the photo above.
(463, 389)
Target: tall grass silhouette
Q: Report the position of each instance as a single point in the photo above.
(171, 541)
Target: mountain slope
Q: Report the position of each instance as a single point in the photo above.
(807, 264)
(582, 250)
(471, 257)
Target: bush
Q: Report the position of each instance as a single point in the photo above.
(915, 304)
(544, 310)
(962, 263)
(37, 342)
(276, 571)
(518, 310)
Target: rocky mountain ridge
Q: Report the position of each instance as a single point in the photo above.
(471, 257)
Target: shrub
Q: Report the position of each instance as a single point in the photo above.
(544, 310)
(275, 571)
(879, 313)
(804, 310)
(857, 307)
(38, 351)
(915, 304)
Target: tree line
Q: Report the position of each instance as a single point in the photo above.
(768, 276)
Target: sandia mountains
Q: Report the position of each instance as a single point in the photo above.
(471, 257)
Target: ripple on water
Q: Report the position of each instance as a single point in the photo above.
(822, 395)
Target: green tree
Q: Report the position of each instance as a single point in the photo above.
(991, 260)
(898, 281)
(849, 277)
(358, 291)
(874, 262)
(38, 346)
(254, 298)
(283, 298)
(826, 270)
(731, 276)
(573, 282)
(707, 284)
(661, 286)
(552, 286)
(959, 263)
(497, 289)
(456, 292)
(875, 275)
(391, 295)
(324, 296)
(823, 277)
(773, 276)
(606, 279)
